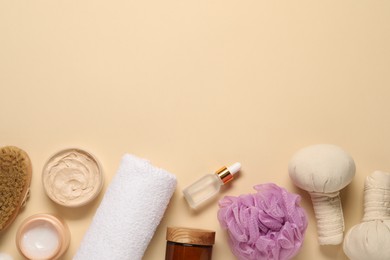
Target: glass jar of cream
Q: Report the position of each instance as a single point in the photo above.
(189, 244)
(42, 236)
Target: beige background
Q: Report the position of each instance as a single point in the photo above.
(192, 86)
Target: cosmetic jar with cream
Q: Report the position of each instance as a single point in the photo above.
(189, 244)
(72, 177)
(43, 237)
(5, 256)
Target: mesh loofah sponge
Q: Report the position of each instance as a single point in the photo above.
(269, 224)
(15, 178)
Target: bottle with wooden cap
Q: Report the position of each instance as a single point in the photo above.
(189, 244)
(209, 185)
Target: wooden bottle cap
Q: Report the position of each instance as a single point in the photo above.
(191, 236)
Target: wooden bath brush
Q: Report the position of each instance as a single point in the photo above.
(15, 179)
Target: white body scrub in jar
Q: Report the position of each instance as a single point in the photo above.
(72, 177)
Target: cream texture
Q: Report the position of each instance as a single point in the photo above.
(371, 238)
(72, 177)
(323, 170)
(4, 256)
(40, 241)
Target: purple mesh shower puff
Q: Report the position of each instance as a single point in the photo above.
(269, 224)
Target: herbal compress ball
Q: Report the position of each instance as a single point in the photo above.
(371, 238)
(323, 170)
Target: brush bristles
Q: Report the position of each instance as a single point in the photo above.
(15, 175)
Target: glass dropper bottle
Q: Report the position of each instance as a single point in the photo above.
(209, 185)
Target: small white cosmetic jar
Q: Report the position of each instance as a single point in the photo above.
(42, 237)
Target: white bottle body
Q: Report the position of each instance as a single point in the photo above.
(202, 190)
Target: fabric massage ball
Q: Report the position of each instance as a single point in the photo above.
(323, 170)
(371, 238)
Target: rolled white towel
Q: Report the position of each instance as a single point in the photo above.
(129, 213)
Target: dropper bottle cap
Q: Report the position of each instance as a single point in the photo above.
(226, 173)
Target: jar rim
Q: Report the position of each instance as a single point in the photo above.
(193, 236)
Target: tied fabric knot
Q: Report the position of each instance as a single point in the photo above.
(269, 224)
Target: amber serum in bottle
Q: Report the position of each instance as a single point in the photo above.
(189, 244)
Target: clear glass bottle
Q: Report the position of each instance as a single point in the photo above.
(209, 185)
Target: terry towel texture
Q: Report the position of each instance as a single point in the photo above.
(129, 213)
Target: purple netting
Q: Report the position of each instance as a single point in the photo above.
(268, 224)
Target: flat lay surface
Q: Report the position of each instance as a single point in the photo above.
(193, 86)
